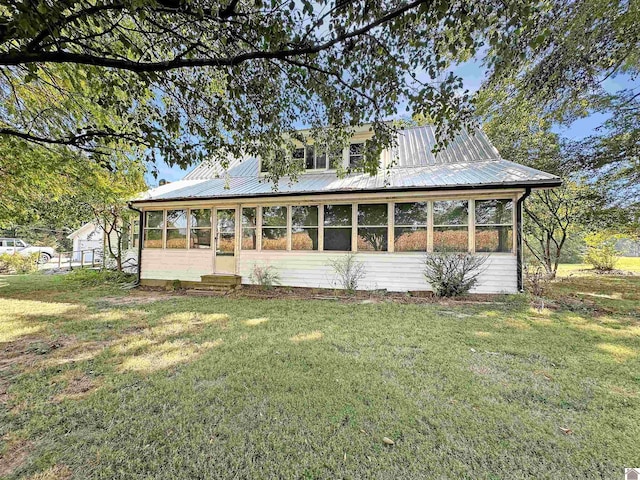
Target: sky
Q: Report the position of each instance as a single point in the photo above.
(472, 74)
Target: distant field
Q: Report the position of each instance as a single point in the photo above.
(631, 264)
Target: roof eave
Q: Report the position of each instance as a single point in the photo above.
(532, 184)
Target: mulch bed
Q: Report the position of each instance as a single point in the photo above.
(303, 293)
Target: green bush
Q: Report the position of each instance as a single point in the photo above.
(93, 278)
(601, 251)
(452, 274)
(16, 263)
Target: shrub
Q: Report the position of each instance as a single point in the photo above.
(601, 251)
(16, 263)
(349, 271)
(452, 274)
(536, 280)
(93, 278)
(264, 275)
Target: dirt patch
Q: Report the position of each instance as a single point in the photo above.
(79, 385)
(141, 296)
(303, 293)
(14, 455)
(57, 472)
(26, 351)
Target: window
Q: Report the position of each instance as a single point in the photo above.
(176, 229)
(274, 228)
(337, 227)
(153, 225)
(249, 219)
(298, 156)
(200, 224)
(315, 157)
(304, 227)
(9, 243)
(135, 233)
(410, 232)
(494, 226)
(372, 227)
(356, 154)
(450, 226)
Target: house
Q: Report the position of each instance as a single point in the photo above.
(465, 198)
(87, 240)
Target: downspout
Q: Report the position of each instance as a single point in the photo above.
(140, 232)
(519, 253)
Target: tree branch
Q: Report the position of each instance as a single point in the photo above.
(26, 57)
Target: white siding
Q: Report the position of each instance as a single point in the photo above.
(392, 271)
(166, 264)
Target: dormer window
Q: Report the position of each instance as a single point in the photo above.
(316, 158)
(313, 160)
(356, 155)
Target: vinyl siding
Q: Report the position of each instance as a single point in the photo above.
(159, 264)
(397, 272)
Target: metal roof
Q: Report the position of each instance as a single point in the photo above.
(469, 161)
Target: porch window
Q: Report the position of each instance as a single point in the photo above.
(337, 227)
(153, 226)
(373, 222)
(135, 233)
(304, 227)
(200, 223)
(176, 229)
(410, 232)
(494, 226)
(450, 226)
(274, 228)
(356, 155)
(249, 225)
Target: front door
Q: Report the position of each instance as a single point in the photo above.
(225, 261)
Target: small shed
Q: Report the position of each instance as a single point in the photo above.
(87, 239)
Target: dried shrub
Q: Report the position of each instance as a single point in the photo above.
(536, 280)
(349, 271)
(264, 275)
(452, 274)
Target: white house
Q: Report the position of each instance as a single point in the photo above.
(465, 198)
(87, 239)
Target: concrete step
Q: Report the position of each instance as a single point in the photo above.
(221, 279)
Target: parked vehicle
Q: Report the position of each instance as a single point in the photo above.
(15, 245)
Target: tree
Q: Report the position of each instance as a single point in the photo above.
(106, 194)
(190, 80)
(567, 57)
(551, 216)
(523, 133)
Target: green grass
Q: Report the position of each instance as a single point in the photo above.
(103, 383)
(629, 264)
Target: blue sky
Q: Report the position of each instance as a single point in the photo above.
(472, 74)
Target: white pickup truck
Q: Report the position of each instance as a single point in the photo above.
(15, 245)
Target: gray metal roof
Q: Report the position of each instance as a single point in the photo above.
(469, 161)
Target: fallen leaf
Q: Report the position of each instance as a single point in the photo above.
(566, 431)
(388, 441)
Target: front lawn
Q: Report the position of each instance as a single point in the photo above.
(104, 383)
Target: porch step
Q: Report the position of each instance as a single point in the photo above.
(220, 279)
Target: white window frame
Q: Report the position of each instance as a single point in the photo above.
(190, 227)
(354, 248)
(162, 229)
